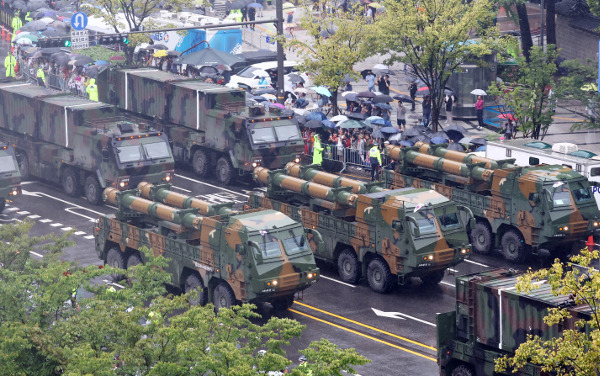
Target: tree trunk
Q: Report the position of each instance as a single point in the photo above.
(334, 102)
(551, 22)
(526, 41)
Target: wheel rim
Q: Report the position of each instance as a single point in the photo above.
(91, 191)
(347, 267)
(199, 164)
(511, 247)
(222, 300)
(221, 170)
(69, 184)
(480, 238)
(377, 276)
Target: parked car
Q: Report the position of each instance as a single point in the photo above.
(251, 75)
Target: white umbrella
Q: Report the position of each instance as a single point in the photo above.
(300, 90)
(380, 66)
(337, 118)
(23, 41)
(260, 73)
(269, 96)
(478, 92)
(348, 92)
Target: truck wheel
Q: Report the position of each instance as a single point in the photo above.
(462, 370)
(433, 278)
(194, 282)
(379, 276)
(223, 297)
(348, 266)
(133, 260)
(115, 258)
(93, 191)
(200, 163)
(224, 170)
(513, 246)
(283, 303)
(70, 182)
(23, 163)
(482, 238)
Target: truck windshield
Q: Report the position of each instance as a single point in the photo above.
(287, 132)
(561, 198)
(268, 244)
(157, 150)
(262, 135)
(295, 244)
(449, 221)
(581, 193)
(425, 222)
(7, 164)
(129, 154)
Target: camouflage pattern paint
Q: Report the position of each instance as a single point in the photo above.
(507, 199)
(10, 177)
(491, 320)
(374, 225)
(162, 193)
(217, 249)
(314, 174)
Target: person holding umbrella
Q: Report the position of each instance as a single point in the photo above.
(412, 89)
(479, 108)
(449, 99)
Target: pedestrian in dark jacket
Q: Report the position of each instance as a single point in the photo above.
(412, 89)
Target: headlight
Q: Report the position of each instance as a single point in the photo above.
(14, 191)
(566, 228)
(464, 251)
(428, 258)
(310, 276)
(297, 160)
(168, 176)
(254, 164)
(123, 182)
(595, 224)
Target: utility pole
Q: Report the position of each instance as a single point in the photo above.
(280, 83)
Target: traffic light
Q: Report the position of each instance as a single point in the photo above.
(125, 39)
(54, 42)
(113, 39)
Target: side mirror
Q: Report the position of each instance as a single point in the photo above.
(470, 218)
(257, 252)
(398, 226)
(535, 197)
(105, 155)
(318, 246)
(415, 226)
(549, 199)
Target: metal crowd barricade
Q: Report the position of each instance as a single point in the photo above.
(351, 157)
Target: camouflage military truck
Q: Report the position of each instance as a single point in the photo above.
(80, 143)
(228, 256)
(385, 235)
(10, 177)
(492, 319)
(210, 127)
(522, 210)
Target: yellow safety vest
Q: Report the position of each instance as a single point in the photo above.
(9, 63)
(374, 153)
(40, 73)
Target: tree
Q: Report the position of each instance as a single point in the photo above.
(528, 98)
(434, 37)
(577, 352)
(336, 41)
(130, 15)
(578, 91)
(138, 330)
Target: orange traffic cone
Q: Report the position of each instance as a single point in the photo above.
(590, 243)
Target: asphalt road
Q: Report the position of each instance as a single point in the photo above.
(396, 331)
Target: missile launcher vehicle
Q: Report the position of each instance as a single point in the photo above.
(227, 256)
(80, 143)
(385, 235)
(211, 127)
(10, 177)
(522, 210)
(492, 319)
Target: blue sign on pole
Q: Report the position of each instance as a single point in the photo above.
(271, 40)
(79, 21)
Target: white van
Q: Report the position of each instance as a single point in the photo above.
(527, 152)
(248, 77)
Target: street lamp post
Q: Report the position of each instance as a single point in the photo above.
(280, 81)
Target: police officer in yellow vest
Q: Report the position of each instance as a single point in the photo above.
(41, 76)
(303, 364)
(9, 63)
(92, 90)
(28, 17)
(375, 159)
(317, 150)
(16, 23)
(237, 15)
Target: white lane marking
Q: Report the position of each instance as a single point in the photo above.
(70, 210)
(340, 282)
(11, 209)
(67, 228)
(89, 237)
(448, 284)
(33, 216)
(79, 233)
(45, 220)
(24, 212)
(56, 224)
(181, 189)
(453, 270)
(210, 185)
(400, 315)
(61, 200)
(477, 263)
(36, 254)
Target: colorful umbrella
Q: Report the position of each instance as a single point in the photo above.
(507, 117)
(322, 90)
(350, 124)
(160, 53)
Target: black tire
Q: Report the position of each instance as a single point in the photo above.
(223, 296)
(200, 162)
(482, 238)
(283, 303)
(224, 170)
(379, 276)
(70, 182)
(348, 266)
(134, 259)
(514, 248)
(462, 370)
(93, 190)
(2, 204)
(23, 163)
(194, 282)
(433, 278)
(116, 259)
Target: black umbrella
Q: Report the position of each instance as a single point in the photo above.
(314, 124)
(173, 53)
(35, 5)
(92, 71)
(293, 77)
(383, 98)
(60, 58)
(34, 26)
(50, 50)
(365, 72)
(383, 105)
(209, 56)
(479, 141)
(377, 134)
(206, 71)
(351, 97)
(421, 138)
(403, 98)
(441, 134)
(455, 146)
(457, 128)
(366, 94)
(81, 60)
(454, 135)
(19, 5)
(412, 132)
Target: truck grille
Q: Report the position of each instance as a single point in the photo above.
(579, 227)
(444, 256)
(289, 281)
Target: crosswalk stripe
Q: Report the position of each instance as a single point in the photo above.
(56, 224)
(33, 216)
(66, 228)
(79, 233)
(23, 213)
(89, 237)
(45, 220)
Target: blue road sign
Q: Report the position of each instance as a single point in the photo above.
(79, 21)
(271, 40)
